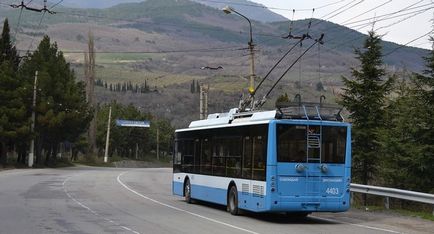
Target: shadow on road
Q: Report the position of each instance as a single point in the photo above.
(278, 218)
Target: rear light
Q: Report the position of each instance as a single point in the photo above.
(273, 184)
(300, 168)
(324, 168)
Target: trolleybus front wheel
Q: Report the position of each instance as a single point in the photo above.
(187, 191)
(233, 201)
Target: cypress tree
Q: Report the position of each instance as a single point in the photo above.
(8, 52)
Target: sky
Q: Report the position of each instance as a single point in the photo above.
(401, 32)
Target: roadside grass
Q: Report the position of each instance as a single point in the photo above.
(418, 214)
(108, 58)
(118, 73)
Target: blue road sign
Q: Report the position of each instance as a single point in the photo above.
(132, 123)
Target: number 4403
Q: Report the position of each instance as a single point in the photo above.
(334, 191)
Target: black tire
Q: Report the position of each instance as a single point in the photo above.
(187, 191)
(233, 201)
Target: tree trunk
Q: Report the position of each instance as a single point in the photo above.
(38, 150)
(3, 153)
(47, 155)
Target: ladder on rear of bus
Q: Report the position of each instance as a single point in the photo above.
(313, 155)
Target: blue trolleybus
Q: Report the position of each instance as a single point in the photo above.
(295, 159)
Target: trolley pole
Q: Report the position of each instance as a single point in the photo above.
(107, 140)
(32, 142)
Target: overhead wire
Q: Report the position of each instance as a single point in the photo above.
(271, 8)
(346, 9)
(18, 23)
(361, 36)
(56, 4)
(365, 12)
(39, 25)
(391, 16)
(406, 44)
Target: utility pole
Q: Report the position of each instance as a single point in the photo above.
(229, 10)
(203, 106)
(32, 142)
(108, 136)
(205, 112)
(201, 114)
(252, 67)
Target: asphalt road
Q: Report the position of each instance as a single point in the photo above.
(107, 200)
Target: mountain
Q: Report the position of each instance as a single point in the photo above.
(97, 4)
(252, 10)
(164, 43)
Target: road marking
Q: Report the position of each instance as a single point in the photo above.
(181, 210)
(92, 211)
(356, 225)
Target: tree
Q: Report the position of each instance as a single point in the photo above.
(193, 87)
(425, 93)
(8, 51)
(401, 143)
(282, 98)
(13, 111)
(364, 98)
(124, 140)
(320, 86)
(61, 109)
(89, 71)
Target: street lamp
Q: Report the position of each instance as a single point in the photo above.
(228, 10)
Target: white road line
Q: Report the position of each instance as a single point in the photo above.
(356, 225)
(92, 211)
(181, 210)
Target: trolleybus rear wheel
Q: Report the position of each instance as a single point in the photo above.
(233, 201)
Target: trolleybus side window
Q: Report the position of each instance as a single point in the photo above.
(247, 157)
(197, 148)
(219, 154)
(233, 160)
(177, 158)
(259, 157)
(187, 155)
(291, 143)
(205, 157)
